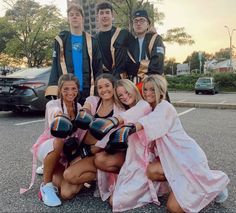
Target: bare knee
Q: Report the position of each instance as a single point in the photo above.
(66, 194)
(100, 161)
(69, 191)
(155, 172)
(69, 176)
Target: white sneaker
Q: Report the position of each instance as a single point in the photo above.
(222, 196)
(39, 170)
(48, 194)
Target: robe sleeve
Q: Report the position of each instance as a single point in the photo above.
(52, 109)
(159, 122)
(132, 115)
(92, 101)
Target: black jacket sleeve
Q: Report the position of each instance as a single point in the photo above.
(156, 65)
(97, 58)
(54, 75)
(121, 45)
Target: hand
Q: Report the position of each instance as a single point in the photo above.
(85, 150)
(83, 119)
(118, 140)
(101, 126)
(61, 126)
(72, 150)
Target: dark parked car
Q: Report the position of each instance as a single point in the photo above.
(24, 90)
(206, 85)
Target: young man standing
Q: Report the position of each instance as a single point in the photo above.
(76, 52)
(146, 55)
(113, 42)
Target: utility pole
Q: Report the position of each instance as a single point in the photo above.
(230, 45)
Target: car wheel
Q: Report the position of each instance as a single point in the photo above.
(213, 92)
(196, 92)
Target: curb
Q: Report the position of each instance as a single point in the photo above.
(204, 105)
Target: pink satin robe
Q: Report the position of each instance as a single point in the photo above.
(132, 188)
(184, 163)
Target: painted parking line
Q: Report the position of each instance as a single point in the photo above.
(223, 102)
(42, 120)
(29, 122)
(181, 100)
(187, 111)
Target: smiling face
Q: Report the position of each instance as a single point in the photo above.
(104, 18)
(69, 91)
(105, 89)
(150, 95)
(125, 97)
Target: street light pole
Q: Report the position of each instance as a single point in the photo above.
(230, 44)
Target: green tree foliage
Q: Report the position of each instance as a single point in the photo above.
(34, 28)
(170, 66)
(194, 61)
(178, 35)
(125, 9)
(6, 33)
(222, 54)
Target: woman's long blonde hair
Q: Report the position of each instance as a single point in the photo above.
(159, 83)
(130, 88)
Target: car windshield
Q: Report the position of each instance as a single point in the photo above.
(29, 73)
(204, 80)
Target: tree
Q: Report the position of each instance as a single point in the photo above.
(194, 61)
(6, 33)
(126, 8)
(178, 35)
(222, 54)
(170, 66)
(35, 27)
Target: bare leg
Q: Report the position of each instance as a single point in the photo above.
(51, 160)
(108, 162)
(111, 200)
(68, 191)
(58, 175)
(172, 204)
(80, 172)
(155, 171)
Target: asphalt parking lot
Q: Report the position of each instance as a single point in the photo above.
(213, 129)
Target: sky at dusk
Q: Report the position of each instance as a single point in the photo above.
(204, 20)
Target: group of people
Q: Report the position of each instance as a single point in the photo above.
(131, 144)
(112, 50)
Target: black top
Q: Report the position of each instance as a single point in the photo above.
(104, 42)
(98, 116)
(124, 39)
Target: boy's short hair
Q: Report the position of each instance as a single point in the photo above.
(75, 6)
(103, 5)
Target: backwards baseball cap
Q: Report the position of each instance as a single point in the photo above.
(141, 13)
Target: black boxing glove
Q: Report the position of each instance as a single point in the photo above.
(84, 150)
(61, 127)
(70, 148)
(83, 119)
(101, 126)
(118, 140)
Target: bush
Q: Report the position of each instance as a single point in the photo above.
(226, 81)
